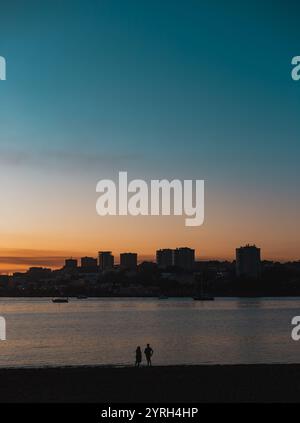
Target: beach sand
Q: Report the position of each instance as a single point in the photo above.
(162, 384)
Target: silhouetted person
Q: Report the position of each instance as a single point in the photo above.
(138, 357)
(148, 353)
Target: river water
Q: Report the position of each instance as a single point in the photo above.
(106, 331)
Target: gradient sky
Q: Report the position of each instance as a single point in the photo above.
(162, 89)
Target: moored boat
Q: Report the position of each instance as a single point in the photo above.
(60, 300)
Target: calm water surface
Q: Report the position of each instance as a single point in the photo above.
(181, 331)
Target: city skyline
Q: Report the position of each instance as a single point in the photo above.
(57, 262)
(10, 263)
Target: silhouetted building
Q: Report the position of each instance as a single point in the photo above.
(248, 262)
(89, 265)
(148, 267)
(106, 260)
(184, 258)
(128, 261)
(4, 280)
(88, 262)
(71, 263)
(165, 257)
(36, 273)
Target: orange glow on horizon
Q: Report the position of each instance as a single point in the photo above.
(44, 234)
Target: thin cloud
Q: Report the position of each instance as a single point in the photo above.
(33, 261)
(63, 159)
(31, 258)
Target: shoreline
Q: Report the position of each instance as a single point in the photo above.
(170, 297)
(161, 384)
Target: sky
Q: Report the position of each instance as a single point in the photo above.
(160, 89)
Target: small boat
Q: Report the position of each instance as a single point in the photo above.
(60, 300)
(163, 297)
(81, 297)
(203, 298)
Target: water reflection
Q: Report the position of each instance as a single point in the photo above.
(181, 331)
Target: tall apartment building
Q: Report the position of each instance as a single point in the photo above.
(184, 258)
(128, 261)
(106, 260)
(248, 262)
(164, 257)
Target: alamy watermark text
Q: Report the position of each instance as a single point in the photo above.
(159, 197)
(296, 69)
(2, 329)
(2, 69)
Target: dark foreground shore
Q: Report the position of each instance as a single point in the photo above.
(238, 383)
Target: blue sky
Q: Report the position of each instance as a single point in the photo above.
(159, 88)
(150, 78)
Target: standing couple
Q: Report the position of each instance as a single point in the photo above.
(148, 353)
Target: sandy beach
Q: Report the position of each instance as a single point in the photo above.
(227, 383)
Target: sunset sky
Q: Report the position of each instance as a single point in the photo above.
(160, 89)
